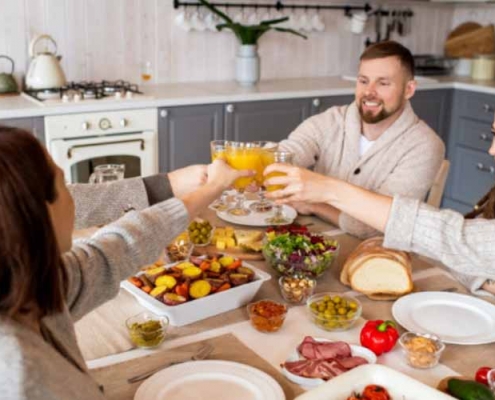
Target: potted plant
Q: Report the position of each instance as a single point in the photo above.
(247, 60)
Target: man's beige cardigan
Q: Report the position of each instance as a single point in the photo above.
(403, 160)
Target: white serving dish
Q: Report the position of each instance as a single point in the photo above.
(313, 382)
(398, 385)
(206, 307)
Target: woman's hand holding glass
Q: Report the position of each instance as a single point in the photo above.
(222, 175)
(266, 150)
(295, 184)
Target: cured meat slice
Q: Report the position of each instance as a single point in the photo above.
(314, 350)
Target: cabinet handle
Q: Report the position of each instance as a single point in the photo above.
(481, 167)
(230, 108)
(164, 113)
(485, 137)
(487, 108)
(316, 102)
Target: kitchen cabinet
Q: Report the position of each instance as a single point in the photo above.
(264, 120)
(35, 125)
(185, 133)
(320, 104)
(472, 171)
(433, 107)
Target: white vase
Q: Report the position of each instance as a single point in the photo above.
(247, 65)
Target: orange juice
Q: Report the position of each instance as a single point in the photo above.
(244, 158)
(273, 188)
(218, 154)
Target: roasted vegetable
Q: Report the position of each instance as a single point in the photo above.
(173, 299)
(200, 288)
(153, 273)
(158, 292)
(246, 271)
(238, 279)
(192, 272)
(166, 280)
(226, 260)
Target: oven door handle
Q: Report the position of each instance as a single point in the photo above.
(78, 146)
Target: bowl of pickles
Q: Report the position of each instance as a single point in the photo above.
(333, 311)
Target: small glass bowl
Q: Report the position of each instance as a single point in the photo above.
(421, 350)
(146, 329)
(334, 311)
(267, 315)
(296, 289)
(180, 249)
(206, 236)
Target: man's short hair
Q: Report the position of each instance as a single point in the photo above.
(390, 49)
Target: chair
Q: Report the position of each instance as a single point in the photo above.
(434, 197)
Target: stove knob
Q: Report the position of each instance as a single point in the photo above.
(85, 126)
(129, 95)
(77, 97)
(105, 124)
(65, 98)
(118, 95)
(123, 122)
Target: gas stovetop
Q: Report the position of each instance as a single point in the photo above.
(75, 92)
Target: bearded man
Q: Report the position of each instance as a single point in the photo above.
(377, 142)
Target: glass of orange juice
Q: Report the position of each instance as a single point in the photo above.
(217, 148)
(285, 157)
(263, 205)
(241, 156)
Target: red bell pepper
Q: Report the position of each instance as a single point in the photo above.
(379, 336)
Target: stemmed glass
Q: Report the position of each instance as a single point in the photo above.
(218, 151)
(263, 205)
(242, 156)
(285, 157)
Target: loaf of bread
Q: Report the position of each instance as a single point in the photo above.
(379, 273)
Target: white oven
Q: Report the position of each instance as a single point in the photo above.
(80, 142)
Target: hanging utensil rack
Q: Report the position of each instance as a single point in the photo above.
(278, 5)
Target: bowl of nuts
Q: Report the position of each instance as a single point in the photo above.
(334, 311)
(179, 249)
(296, 288)
(421, 350)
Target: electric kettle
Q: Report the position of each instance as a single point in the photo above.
(7, 81)
(44, 71)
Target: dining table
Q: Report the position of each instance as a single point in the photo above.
(112, 358)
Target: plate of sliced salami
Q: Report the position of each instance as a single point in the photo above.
(317, 360)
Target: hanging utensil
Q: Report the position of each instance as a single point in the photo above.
(8, 83)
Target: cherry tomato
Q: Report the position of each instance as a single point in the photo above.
(481, 375)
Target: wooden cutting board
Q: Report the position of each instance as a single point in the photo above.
(463, 28)
(212, 251)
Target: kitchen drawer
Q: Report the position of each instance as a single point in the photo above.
(474, 134)
(473, 175)
(479, 106)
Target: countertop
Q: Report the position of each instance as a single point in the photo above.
(180, 94)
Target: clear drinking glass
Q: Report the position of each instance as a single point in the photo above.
(242, 156)
(107, 173)
(146, 71)
(263, 205)
(285, 157)
(218, 151)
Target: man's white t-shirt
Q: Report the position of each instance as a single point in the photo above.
(364, 145)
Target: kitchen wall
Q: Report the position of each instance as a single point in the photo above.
(109, 39)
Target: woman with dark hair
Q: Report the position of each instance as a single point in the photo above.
(45, 285)
(466, 246)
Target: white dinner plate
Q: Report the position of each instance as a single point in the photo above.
(453, 317)
(208, 380)
(312, 382)
(256, 219)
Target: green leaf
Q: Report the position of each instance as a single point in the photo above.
(291, 31)
(274, 21)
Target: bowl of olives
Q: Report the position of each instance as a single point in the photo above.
(334, 311)
(200, 232)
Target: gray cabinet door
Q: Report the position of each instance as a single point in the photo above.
(320, 104)
(264, 120)
(433, 107)
(185, 134)
(35, 125)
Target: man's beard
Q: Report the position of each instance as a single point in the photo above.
(370, 118)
